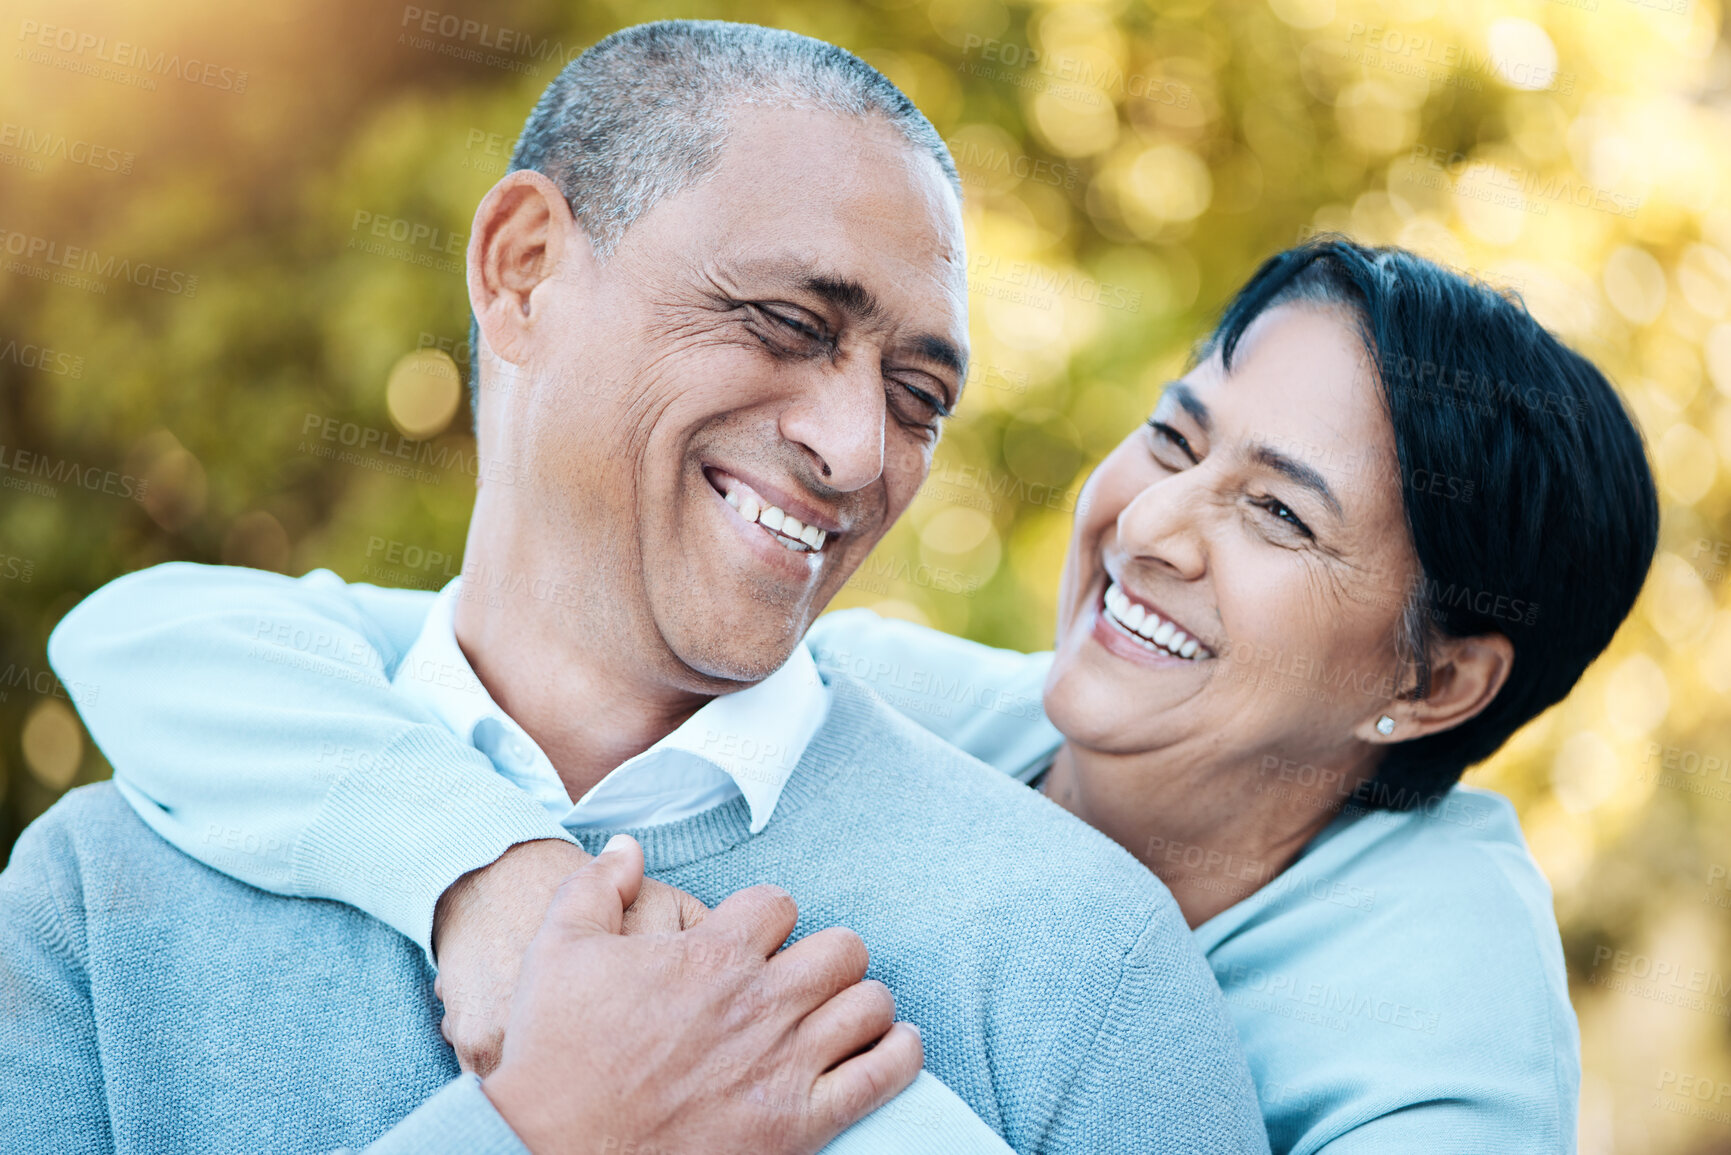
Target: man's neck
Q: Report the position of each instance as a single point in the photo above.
(589, 710)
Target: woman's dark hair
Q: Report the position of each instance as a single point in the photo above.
(1545, 520)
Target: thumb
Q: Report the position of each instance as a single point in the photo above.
(592, 900)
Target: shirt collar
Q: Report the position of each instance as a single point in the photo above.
(436, 673)
(755, 736)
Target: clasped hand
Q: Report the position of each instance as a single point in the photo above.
(599, 1004)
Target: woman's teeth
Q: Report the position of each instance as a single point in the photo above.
(1136, 618)
(787, 530)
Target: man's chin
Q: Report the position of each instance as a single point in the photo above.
(733, 660)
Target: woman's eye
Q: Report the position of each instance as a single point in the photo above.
(1164, 434)
(1284, 512)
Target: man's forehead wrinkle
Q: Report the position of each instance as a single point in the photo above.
(715, 276)
(791, 271)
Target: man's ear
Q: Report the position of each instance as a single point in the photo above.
(523, 235)
(1466, 674)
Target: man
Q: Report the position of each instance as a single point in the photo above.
(721, 315)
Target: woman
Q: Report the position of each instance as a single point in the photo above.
(1342, 562)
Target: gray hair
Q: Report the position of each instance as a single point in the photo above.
(643, 114)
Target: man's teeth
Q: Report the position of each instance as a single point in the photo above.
(1136, 618)
(787, 530)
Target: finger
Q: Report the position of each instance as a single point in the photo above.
(481, 1058)
(662, 909)
(763, 916)
(847, 1024)
(593, 899)
(691, 911)
(817, 968)
(471, 1057)
(866, 1082)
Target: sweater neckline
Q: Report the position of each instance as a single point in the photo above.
(670, 845)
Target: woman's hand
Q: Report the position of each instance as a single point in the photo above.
(484, 923)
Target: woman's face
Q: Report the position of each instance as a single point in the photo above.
(1260, 515)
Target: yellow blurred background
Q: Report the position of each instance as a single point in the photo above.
(233, 328)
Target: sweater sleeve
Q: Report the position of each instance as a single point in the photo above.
(1444, 1127)
(977, 698)
(52, 1099)
(458, 1120)
(1164, 1072)
(926, 1119)
(250, 721)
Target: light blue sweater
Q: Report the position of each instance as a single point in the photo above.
(154, 1004)
(1400, 988)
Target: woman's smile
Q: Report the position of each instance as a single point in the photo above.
(1146, 624)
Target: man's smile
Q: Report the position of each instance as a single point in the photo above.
(795, 526)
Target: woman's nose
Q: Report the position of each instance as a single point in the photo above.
(1163, 524)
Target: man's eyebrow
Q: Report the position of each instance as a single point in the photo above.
(1297, 471)
(853, 298)
(1190, 403)
(846, 294)
(944, 352)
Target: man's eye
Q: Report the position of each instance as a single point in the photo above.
(795, 324)
(915, 406)
(791, 327)
(809, 329)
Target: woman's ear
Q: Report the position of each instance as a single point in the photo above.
(1466, 674)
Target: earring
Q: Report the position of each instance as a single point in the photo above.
(1385, 725)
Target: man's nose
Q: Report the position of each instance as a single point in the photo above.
(839, 420)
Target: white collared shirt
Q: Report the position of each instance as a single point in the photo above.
(746, 742)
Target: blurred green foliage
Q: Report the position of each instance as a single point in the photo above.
(225, 228)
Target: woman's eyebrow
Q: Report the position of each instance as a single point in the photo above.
(1297, 471)
(1190, 403)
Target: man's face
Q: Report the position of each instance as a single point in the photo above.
(779, 341)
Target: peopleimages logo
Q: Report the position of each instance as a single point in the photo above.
(1661, 980)
(32, 472)
(476, 42)
(1502, 607)
(30, 144)
(1039, 283)
(88, 46)
(83, 261)
(41, 358)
